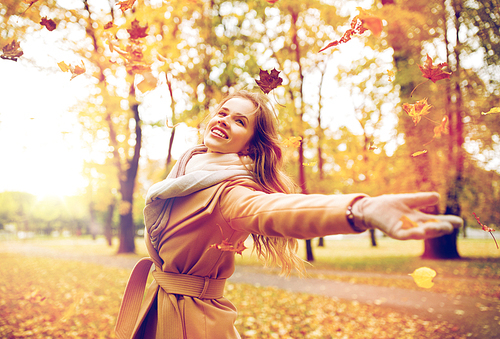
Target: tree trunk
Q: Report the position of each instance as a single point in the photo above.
(309, 251)
(321, 242)
(108, 226)
(127, 184)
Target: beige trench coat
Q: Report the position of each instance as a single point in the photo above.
(231, 210)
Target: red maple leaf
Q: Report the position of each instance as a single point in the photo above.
(269, 80)
(434, 72)
(137, 32)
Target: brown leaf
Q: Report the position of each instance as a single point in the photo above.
(434, 72)
(12, 51)
(269, 80)
(74, 70)
(137, 32)
(48, 23)
(109, 25)
(371, 22)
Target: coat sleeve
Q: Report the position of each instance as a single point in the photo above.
(302, 216)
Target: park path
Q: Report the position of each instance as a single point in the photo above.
(476, 316)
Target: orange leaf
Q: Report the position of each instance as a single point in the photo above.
(390, 74)
(442, 128)
(74, 70)
(491, 111)
(407, 223)
(417, 110)
(226, 246)
(269, 80)
(12, 51)
(48, 23)
(373, 23)
(125, 4)
(434, 72)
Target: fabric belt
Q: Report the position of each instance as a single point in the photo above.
(171, 283)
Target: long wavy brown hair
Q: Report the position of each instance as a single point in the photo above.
(267, 154)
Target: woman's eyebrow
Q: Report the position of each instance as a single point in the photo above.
(226, 110)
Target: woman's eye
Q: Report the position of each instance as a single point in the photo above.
(240, 121)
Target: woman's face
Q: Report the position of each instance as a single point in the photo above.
(232, 127)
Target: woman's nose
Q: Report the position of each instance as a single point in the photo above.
(222, 121)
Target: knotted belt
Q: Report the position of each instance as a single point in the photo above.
(170, 325)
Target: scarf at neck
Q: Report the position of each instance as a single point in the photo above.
(194, 171)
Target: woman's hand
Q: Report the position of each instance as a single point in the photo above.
(397, 215)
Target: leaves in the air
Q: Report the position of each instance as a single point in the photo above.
(491, 111)
(486, 228)
(418, 153)
(12, 51)
(75, 70)
(136, 31)
(269, 80)
(432, 72)
(109, 25)
(292, 142)
(417, 110)
(442, 128)
(148, 83)
(125, 4)
(48, 23)
(423, 277)
(227, 246)
(359, 24)
(390, 74)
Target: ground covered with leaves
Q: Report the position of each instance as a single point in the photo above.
(55, 298)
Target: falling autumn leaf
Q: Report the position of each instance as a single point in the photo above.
(491, 111)
(442, 128)
(269, 80)
(417, 110)
(109, 25)
(74, 70)
(423, 277)
(417, 153)
(486, 228)
(292, 142)
(227, 246)
(371, 22)
(12, 51)
(48, 23)
(137, 32)
(434, 72)
(390, 74)
(148, 83)
(359, 24)
(126, 4)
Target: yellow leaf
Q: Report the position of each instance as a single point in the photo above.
(416, 154)
(423, 277)
(493, 110)
(62, 65)
(148, 83)
(292, 142)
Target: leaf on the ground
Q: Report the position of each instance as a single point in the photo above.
(417, 110)
(12, 51)
(434, 72)
(48, 23)
(292, 142)
(423, 277)
(136, 31)
(125, 4)
(491, 111)
(269, 80)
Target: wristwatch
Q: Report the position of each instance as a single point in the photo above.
(350, 217)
